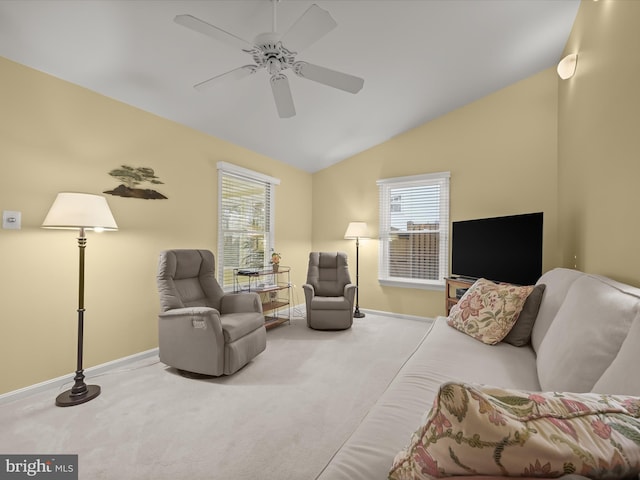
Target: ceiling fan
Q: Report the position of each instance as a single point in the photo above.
(269, 52)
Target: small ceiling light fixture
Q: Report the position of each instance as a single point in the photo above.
(567, 66)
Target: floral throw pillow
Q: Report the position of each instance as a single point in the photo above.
(488, 310)
(481, 430)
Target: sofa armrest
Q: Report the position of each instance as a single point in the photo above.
(241, 302)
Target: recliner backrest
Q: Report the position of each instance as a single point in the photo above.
(186, 278)
(328, 273)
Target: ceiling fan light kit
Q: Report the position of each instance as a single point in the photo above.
(270, 53)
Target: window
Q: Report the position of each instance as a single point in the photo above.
(414, 230)
(245, 220)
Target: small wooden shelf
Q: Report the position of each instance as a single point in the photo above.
(451, 283)
(270, 322)
(273, 305)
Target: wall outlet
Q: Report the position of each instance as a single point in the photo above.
(11, 220)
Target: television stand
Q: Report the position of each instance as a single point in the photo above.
(462, 278)
(451, 284)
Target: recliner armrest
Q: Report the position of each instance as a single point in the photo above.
(241, 302)
(190, 317)
(309, 291)
(190, 312)
(349, 291)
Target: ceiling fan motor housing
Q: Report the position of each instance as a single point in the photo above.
(271, 54)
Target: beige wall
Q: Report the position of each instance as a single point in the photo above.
(55, 137)
(501, 152)
(599, 142)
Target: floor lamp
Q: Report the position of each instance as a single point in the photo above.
(79, 211)
(357, 230)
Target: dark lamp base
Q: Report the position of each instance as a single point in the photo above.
(358, 314)
(66, 399)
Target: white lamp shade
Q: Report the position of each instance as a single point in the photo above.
(80, 211)
(567, 66)
(357, 230)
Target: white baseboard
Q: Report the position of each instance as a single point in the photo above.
(396, 315)
(89, 372)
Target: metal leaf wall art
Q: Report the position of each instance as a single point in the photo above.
(131, 178)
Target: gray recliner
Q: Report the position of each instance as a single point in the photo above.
(201, 328)
(329, 292)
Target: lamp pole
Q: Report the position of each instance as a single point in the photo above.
(357, 313)
(357, 230)
(80, 392)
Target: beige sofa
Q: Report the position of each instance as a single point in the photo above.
(586, 338)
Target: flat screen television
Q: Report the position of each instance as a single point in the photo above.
(502, 249)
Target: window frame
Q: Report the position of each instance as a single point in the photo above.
(387, 208)
(251, 177)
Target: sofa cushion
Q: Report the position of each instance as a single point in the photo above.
(558, 282)
(330, 303)
(520, 334)
(621, 377)
(585, 335)
(488, 310)
(481, 430)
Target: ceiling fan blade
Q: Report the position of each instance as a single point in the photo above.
(209, 30)
(235, 74)
(282, 96)
(329, 77)
(314, 24)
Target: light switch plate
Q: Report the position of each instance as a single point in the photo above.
(11, 220)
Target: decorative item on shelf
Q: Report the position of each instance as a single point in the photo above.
(79, 211)
(357, 230)
(275, 260)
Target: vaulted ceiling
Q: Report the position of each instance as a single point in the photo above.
(419, 59)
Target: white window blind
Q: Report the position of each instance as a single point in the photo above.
(245, 220)
(414, 230)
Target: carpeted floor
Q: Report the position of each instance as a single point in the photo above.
(281, 417)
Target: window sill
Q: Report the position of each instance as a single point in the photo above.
(412, 284)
